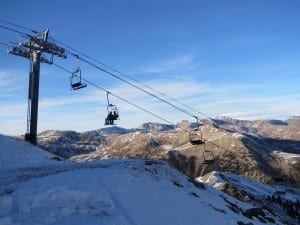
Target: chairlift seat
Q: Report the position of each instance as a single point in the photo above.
(208, 157)
(107, 123)
(208, 161)
(195, 137)
(279, 192)
(196, 142)
(78, 85)
(278, 179)
(75, 80)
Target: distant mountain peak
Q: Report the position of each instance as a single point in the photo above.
(150, 126)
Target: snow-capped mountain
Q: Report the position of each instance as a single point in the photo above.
(148, 127)
(144, 192)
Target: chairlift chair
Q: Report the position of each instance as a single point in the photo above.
(208, 157)
(196, 135)
(112, 113)
(75, 80)
(279, 188)
(280, 181)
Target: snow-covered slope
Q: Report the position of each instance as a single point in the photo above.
(18, 154)
(256, 189)
(284, 200)
(135, 192)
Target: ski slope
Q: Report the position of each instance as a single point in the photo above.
(16, 154)
(36, 190)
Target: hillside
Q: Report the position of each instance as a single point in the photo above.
(247, 148)
(115, 192)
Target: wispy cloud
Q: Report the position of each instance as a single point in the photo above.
(87, 110)
(11, 82)
(185, 61)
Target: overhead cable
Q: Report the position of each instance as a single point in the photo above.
(13, 30)
(133, 85)
(112, 74)
(132, 79)
(19, 26)
(117, 96)
(5, 44)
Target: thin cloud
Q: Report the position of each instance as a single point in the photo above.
(186, 62)
(11, 82)
(87, 110)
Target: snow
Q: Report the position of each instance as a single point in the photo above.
(257, 189)
(115, 130)
(167, 147)
(238, 135)
(17, 154)
(118, 192)
(213, 179)
(36, 190)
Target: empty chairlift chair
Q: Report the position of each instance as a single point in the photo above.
(280, 188)
(75, 80)
(280, 181)
(196, 135)
(208, 157)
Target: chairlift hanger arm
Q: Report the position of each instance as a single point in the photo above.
(107, 93)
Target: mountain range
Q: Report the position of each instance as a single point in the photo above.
(264, 150)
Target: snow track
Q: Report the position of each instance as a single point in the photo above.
(25, 174)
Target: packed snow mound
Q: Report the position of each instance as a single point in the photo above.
(18, 154)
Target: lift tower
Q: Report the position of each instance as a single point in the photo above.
(33, 49)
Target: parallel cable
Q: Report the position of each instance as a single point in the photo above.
(145, 110)
(14, 30)
(132, 79)
(133, 104)
(117, 77)
(133, 85)
(5, 44)
(121, 98)
(110, 73)
(19, 26)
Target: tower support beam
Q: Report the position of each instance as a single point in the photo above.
(33, 98)
(33, 49)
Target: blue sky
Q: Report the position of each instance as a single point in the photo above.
(224, 58)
